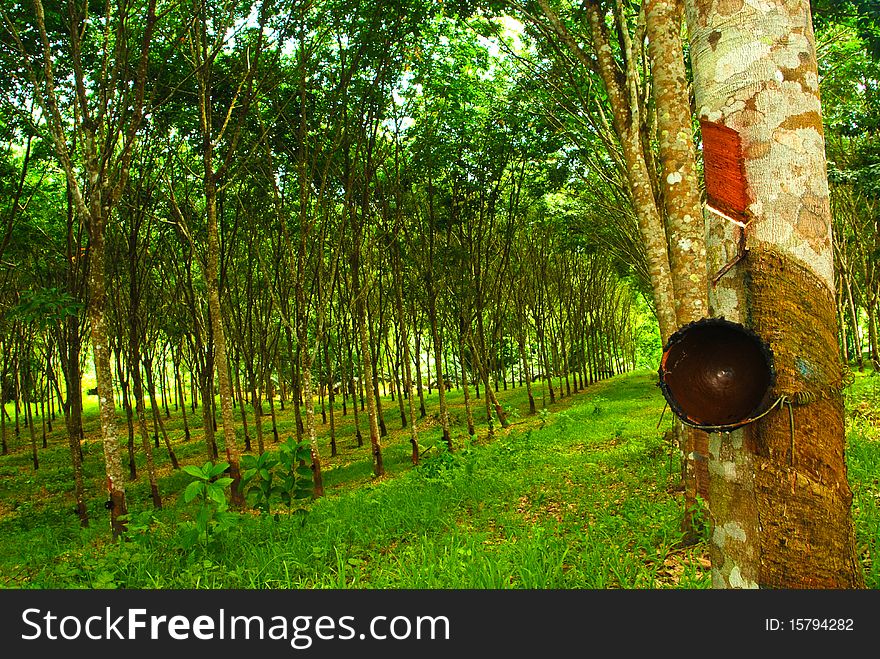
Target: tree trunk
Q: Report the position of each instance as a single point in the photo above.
(367, 372)
(141, 413)
(258, 412)
(270, 394)
(30, 423)
(241, 410)
(309, 401)
(129, 416)
(157, 415)
(179, 382)
(331, 397)
(207, 386)
(520, 342)
(469, 414)
(441, 386)
(781, 503)
(219, 332)
(418, 364)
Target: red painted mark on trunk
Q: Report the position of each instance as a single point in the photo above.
(725, 177)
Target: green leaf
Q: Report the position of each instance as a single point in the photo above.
(264, 474)
(203, 516)
(216, 494)
(304, 472)
(194, 471)
(223, 482)
(192, 491)
(218, 469)
(226, 520)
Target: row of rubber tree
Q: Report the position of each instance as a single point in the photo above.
(338, 213)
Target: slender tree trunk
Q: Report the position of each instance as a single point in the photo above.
(854, 319)
(542, 347)
(5, 446)
(469, 414)
(374, 367)
(207, 386)
(367, 372)
(681, 198)
(219, 332)
(309, 400)
(258, 412)
(438, 366)
(74, 428)
(179, 382)
(30, 423)
(408, 383)
(129, 416)
(157, 415)
(270, 394)
(361, 328)
(418, 365)
(141, 413)
(103, 371)
(520, 341)
(331, 398)
(43, 414)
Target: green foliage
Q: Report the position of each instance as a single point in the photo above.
(208, 490)
(140, 525)
(296, 478)
(544, 416)
(45, 306)
(599, 404)
(257, 480)
(440, 464)
(283, 477)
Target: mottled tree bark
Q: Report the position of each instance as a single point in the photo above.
(367, 373)
(104, 155)
(219, 332)
(683, 210)
(104, 373)
(780, 499)
(309, 395)
(405, 358)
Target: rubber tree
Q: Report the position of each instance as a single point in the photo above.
(109, 54)
(781, 503)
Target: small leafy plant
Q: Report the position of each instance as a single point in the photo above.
(440, 465)
(296, 479)
(209, 489)
(544, 416)
(139, 525)
(258, 480)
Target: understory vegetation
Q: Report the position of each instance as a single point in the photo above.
(584, 494)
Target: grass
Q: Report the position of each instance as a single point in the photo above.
(863, 464)
(584, 495)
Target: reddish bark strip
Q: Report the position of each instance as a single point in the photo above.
(724, 168)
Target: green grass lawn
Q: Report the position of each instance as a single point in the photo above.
(583, 495)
